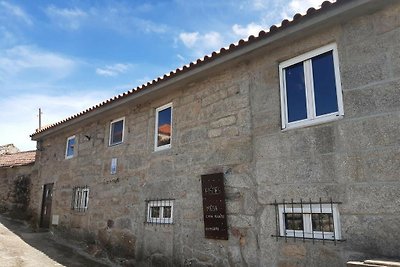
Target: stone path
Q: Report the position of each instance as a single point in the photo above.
(20, 246)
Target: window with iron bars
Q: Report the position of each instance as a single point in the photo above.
(80, 198)
(308, 220)
(160, 211)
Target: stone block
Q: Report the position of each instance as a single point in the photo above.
(224, 122)
(241, 221)
(363, 63)
(214, 133)
(294, 251)
(193, 135)
(372, 100)
(367, 133)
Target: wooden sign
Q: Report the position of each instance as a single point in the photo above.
(214, 210)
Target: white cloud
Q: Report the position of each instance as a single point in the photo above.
(17, 12)
(18, 116)
(259, 4)
(28, 58)
(69, 18)
(250, 29)
(181, 58)
(113, 70)
(299, 6)
(202, 44)
(189, 39)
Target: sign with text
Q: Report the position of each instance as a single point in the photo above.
(214, 210)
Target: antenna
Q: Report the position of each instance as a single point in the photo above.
(40, 118)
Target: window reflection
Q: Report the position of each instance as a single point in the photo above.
(164, 127)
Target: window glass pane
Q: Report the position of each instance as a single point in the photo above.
(296, 92)
(70, 147)
(167, 212)
(116, 132)
(164, 127)
(155, 212)
(294, 221)
(324, 84)
(322, 222)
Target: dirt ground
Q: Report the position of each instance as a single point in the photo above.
(21, 246)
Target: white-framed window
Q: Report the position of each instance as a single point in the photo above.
(163, 129)
(80, 198)
(70, 147)
(160, 211)
(113, 169)
(310, 88)
(316, 221)
(117, 131)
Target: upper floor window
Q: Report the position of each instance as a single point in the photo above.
(163, 131)
(310, 88)
(70, 148)
(117, 131)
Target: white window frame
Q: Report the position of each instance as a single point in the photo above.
(158, 110)
(66, 148)
(307, 221)
(161, 204)
(123, 131)
(311, 119)
(80, 202)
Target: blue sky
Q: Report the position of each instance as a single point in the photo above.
(66, 56)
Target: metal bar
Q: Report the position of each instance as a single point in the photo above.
(284, 224)
(310, 238)
(310, 203)
(276, 221)
(294, 231)
(320, 224)
(312, 231)
(333, 223)
(302, 215)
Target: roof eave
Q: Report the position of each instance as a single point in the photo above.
(341, 11)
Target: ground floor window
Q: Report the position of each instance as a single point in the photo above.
(160, 211)
(308, 220)
(80, 198)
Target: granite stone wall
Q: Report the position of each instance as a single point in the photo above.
(230, 123)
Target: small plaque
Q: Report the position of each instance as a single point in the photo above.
(214, 210)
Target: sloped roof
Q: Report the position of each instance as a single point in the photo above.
(17, 159)
(273, 30)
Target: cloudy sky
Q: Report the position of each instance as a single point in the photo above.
(65, 56)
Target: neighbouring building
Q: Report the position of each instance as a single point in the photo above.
(302, 123)
(15, 179)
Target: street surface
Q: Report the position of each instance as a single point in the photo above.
(21, 246)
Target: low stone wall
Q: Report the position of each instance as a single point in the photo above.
(15, 186)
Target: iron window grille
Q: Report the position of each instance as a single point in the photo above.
(80, 198)
(160, 211)
(307, 220)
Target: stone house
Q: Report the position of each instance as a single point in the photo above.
(302, 123)
(15, 179)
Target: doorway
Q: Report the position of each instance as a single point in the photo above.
(46, 206)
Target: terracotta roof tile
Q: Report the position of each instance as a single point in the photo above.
(17, 159)
(326, 5)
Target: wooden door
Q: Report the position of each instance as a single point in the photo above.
(46, 206)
